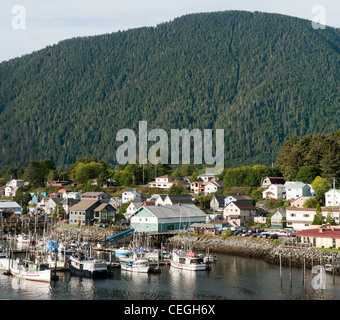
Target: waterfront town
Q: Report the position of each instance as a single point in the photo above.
(282, 210)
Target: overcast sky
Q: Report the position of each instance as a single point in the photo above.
(31, 25)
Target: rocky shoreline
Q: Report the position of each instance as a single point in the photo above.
(264, 249)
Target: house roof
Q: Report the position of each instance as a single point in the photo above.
(243, 205)
(240, 197)
(9, 205)
(84, 205)
(166, 176)
(175, 211)
(104, 206)
(320, 233)
(295, 184)
(92, 194)
(180, 198)
(56, 200)
(69, 201)
(324, 209)
(276, 180)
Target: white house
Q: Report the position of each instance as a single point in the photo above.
(267, 181)
(72, 195)
(276, 218)
(302, 218)
(51, 204)
(239, 212)
(296, 189)
(274, 191)
(15, 183)
(229, 199)
(133, 195)
(159, 201)
(332, 198)
(166, 181)
(212, 187)
(206, 177)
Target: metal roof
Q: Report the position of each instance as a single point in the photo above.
(175, 211)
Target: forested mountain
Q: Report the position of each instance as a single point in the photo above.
(261, 77)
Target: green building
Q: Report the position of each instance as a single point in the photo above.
(166, 218)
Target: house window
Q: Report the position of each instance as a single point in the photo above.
(306, 215)
(293, 215)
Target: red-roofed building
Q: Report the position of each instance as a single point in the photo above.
(327, 237)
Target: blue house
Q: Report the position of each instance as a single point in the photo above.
(229, 199)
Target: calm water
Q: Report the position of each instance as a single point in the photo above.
(231, 278)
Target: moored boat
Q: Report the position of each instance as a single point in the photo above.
(31, 271)
(87, 267)
(136, 265)
(187, 260)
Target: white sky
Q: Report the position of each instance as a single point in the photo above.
(49, 21)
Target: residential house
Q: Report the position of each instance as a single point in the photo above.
(106, 183)
(72, 195)
(82, 213)
(204, 228)
(133, 195)
(321, 237)
(217, 203)
(276, 218)
(160, 200)
(302, 218)
(332, 198)
(198, 187)
(8, 208)
(274, 191)
(166, 218)
(15, 183)
(10, 191)
(206, 177)
(51, 203)
(220, 224)
(178, 199)
(105, 213)
(267, 181)
(299, 202)
(229, 199)
(54, 195)
(239, 212)
(62, 191)
(296, 189)
(212, 187)
(67, 203)
(59, 183)
(166, 181)
(101, 196)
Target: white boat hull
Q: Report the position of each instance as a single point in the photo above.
(136, 266)
(44, 276)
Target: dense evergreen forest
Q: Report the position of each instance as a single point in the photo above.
(263, 78)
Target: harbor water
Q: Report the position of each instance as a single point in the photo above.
(230, 278)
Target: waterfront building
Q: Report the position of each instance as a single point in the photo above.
(321, 237)
(166, 218)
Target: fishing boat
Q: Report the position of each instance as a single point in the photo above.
(23, 238)
(31, 271)
(87, 267)
(187, 260)
(136, 265)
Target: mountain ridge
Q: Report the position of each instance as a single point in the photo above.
(261, 77)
